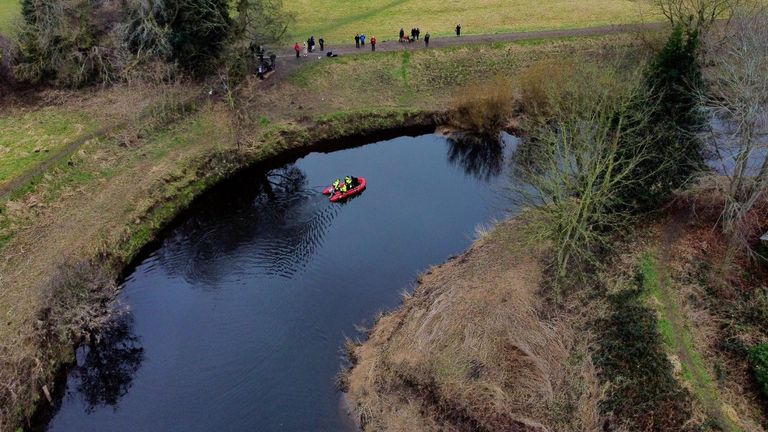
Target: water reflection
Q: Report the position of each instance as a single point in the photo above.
(230, 342)
(106, 365)
(272, 213)
(723, 147)
(482, 158)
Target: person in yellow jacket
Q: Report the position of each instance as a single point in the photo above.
(336, 184)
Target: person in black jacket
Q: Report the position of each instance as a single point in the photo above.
(357, 40)
(458, 29)
(402, 34)
(322, 44)
(426, 40)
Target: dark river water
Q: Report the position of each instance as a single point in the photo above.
(236, 320)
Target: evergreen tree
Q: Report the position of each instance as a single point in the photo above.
(674, 120)
(190, 32)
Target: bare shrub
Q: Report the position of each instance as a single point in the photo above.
(695, 14)
(67, 42)
(546, 84)
(485, 108)
(78, 301)
(738, 96)
(575, 182)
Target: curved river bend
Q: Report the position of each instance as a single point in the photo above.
(236, 321)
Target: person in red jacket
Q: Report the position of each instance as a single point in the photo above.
(373, 43)
(297, 48)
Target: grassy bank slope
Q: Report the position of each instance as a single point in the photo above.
(338, 21)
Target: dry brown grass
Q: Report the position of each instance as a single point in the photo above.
(471, 350)
(722, 300)
(546, 84)
(483, 108)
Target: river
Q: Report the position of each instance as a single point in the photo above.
(236, 320)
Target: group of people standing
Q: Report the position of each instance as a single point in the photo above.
(360, 39)
(309, 46)
(264, 66)
(415, 35)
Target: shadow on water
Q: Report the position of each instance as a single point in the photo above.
(247, 285)
(479, 157)
(284, 213)
(105, 366)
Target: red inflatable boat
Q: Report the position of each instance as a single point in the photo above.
(338, 196)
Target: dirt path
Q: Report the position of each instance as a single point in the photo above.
(287, 61)
(694, 369)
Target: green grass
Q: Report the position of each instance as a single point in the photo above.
(9, 10)
(428, 78)
(30, 138)
(338, 20)
(678, 338)
(682, 341)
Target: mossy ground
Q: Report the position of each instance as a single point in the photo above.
(31, 137)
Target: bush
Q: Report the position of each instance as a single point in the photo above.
(583, 157)
(77, 302)
(483, 109)
(671, 83)
(190, 32)
(68, 42)
(546, 86)
(758, 358)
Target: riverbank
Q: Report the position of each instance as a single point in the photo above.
(96, 209)
(650, 343)
(104, 250)
(476, 347)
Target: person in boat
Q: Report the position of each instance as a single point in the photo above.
(336, 185)
(350, 181)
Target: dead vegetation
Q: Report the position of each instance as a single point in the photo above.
(723, 297)
(75, 305)
(473, 349)
(483, 109)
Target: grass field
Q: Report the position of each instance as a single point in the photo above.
(339, 20)
(34, 136)
(9, 10)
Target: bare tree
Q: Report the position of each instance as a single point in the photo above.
(262, 21)
(738, 97)
(574, 183)
(695, 14)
